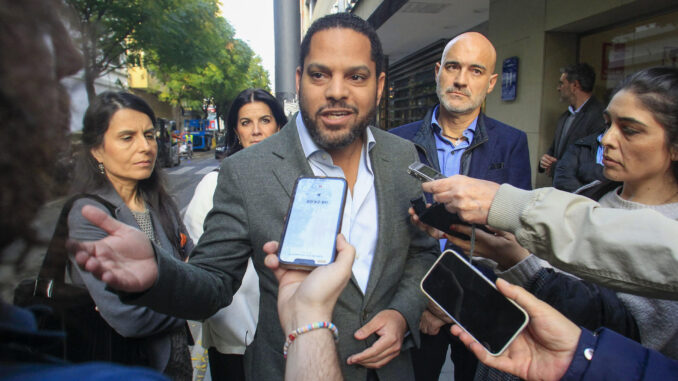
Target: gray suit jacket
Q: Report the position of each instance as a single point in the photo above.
(127, 320)
(250, 203)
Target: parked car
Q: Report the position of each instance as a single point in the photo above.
(220, 151)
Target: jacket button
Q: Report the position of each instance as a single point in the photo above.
(588, 353)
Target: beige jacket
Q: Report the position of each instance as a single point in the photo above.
(636, 251)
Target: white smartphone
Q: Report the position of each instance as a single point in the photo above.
(313, 222)
(473, 302)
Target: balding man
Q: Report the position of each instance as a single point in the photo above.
(455, 137)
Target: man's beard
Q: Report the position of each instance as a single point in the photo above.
(330, 143)
(475, 103)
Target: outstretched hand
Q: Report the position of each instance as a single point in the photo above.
(431, 231)
(501, 247)
(543, 351)
(468, 197)
(309, 296)
(124, 260)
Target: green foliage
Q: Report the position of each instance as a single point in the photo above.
(185, 43)
(230, 68)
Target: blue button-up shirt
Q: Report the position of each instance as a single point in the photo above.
(449, 155)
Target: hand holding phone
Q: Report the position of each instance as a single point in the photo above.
(313, 222)
(473, 302)
(436, 215)
(423, 172)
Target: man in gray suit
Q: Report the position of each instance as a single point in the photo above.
(340, 81)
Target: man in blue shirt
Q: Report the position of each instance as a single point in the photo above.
(455, 137)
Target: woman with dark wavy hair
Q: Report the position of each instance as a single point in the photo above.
(241, 132)
(118, 164)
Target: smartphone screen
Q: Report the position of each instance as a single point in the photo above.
(313, 222)
(473, 302)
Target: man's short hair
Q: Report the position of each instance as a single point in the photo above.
(348, 21)
(581, 72)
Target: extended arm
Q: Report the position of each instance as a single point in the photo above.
(308, 297)
(127, 320)
(636, 250)
(126, 261)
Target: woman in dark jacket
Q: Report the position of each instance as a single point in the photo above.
(118, 164)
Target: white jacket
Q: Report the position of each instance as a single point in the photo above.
(231, 329)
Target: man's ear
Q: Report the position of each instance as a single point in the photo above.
(576, 84)
(298, 77)
(493, 81)
(436, 70)
(381, 80)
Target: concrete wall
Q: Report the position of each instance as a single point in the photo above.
(526, 42)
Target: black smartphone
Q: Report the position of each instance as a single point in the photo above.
(313, 222)
(423, 172)
(473, 302)
(438, 217)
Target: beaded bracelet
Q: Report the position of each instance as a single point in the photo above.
(308, 328)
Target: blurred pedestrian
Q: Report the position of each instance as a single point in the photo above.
(34, 122)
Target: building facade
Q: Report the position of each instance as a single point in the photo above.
(616, 37)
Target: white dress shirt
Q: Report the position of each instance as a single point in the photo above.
(360, 223)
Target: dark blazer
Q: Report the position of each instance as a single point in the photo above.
(588, 121)
(497, 153)
(578, 165)
(250, 203)
(128, 320)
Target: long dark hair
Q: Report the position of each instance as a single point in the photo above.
(249, 96)
(88, 179)
(657, 90)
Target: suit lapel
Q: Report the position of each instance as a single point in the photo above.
(291, 161)
(383, 180)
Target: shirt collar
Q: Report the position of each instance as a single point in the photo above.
(438, 130)
(309, 146)
(573, 111)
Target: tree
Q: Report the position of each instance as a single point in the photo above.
(231, 67)
(112, 33)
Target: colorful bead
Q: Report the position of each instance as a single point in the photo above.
(310, 327)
